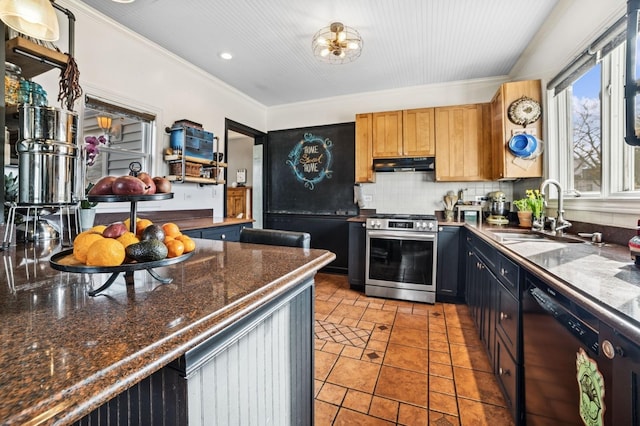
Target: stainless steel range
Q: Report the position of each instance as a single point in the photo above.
(401, 257)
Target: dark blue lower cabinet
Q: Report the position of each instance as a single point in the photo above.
(330, 232)
(449, 276)
(357, 255)
(221, 233)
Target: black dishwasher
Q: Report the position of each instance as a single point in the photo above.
(565, 377)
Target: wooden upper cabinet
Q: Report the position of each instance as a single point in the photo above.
(364, 148)
(463, 138)
(418, 131)
(505, 164)
(387, 134)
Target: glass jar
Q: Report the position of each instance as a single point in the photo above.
(25, 92)
(11, 83)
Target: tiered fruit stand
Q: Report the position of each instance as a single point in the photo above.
(57, 261)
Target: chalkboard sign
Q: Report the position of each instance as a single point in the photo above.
(311, 170)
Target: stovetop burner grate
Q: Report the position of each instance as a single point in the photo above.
(403, 216)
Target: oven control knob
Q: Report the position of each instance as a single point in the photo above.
(430, 226)
(377, 224)
(423, 225)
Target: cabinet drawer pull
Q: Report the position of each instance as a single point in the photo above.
(503, 272)
(504, 316)
(223, 237)
(503, 372)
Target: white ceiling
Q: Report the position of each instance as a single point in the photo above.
(406, 42)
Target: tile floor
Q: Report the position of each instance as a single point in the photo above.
(389, 362)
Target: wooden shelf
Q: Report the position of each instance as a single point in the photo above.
(194, 179)
(190, 159)
(32, 58)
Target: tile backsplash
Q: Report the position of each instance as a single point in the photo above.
(418, 193)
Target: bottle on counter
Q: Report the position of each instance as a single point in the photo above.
(634, 246)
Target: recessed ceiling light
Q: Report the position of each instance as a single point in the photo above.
(226, 55)
(123, 1)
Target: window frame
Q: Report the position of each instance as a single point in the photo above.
(149, 133)
(616, 154)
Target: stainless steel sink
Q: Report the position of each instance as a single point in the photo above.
(528, 235)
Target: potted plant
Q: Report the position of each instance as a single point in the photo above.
(87, 210)
(529, 207)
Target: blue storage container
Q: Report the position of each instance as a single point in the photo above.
(192, 142)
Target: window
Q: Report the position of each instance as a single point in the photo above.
(586, 123)
(128, 136)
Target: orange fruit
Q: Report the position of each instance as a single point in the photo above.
(128, 238)
(98, 228)
(106, 252)
(175, 247)
(171, 229)
(82, 242)
(140, 225)
(189, 244)
(127, 223)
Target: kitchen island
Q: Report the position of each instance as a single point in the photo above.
(65, 355)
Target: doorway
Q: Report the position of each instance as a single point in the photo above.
(244, 156)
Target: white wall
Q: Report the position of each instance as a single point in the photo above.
(240, 153)
(121, 66)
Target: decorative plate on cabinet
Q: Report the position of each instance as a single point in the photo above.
(524, 111)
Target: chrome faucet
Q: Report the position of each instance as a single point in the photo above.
(559, 224)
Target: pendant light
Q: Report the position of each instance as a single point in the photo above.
(35, 18)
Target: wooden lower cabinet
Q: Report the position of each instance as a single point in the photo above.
(463, 143)
(239, 202)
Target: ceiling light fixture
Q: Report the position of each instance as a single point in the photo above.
(123, 1)
(35, 18)
(226, 55)
(337, 44)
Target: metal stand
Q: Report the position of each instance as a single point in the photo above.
(31, 210)
(126, 269)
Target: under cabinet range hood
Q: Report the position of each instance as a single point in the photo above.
(414, 164)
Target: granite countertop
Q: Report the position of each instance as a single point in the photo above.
(601, 278)
(64, 353)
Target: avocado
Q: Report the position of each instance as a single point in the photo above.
(153, 232)
(147, 251)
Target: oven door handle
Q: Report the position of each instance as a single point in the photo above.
(399, 235)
